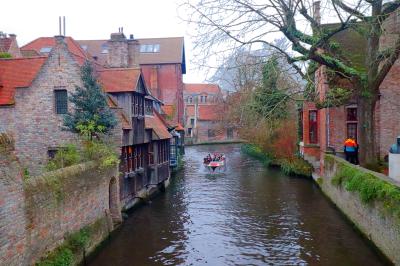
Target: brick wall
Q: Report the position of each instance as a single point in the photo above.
(37, 214)
(33, 120)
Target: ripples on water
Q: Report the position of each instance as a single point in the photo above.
(245, 215)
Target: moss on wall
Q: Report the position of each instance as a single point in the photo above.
(369, 186)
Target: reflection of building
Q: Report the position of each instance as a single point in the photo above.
(204, 114)
(326, 129)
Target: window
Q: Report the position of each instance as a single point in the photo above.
(61, 101)
(351, 124)
(149, 107)
(189, 132)
(189, 99)
(104, 48)
(151, 153)
(137, 105)
(229, 133)
(300, 125)
(45, 50)
(352, 114)
(352, 130)
(192, 122)
(84, 47)
(149, 48)
(52, 153)
(313, 127)
(211, 133)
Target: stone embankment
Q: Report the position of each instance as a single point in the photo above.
(369, 199)
(38, 215)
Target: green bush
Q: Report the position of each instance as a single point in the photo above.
(101, 152)
(256, 152)
(5, 55)
(66, 156)
(296, 166)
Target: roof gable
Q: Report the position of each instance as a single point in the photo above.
(17, 73)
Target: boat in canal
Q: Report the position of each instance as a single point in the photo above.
(214, 162)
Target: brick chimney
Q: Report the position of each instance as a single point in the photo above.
(154, 82)
(317, 11)
(118, 50)
(133, 52)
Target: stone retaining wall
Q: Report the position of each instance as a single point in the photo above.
(376, 222)
(37, 213)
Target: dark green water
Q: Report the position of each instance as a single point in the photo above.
(247, 215)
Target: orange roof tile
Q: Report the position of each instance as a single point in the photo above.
(41, 42)
(179, 127)
(17, 73)
(169, 110)
(120, 79)
(202, 88)
(158, 126)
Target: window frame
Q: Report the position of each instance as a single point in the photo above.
(58, 105)
(313, 127)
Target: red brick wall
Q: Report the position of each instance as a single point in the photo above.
(170, 85)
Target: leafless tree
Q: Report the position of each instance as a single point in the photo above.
(223, 25)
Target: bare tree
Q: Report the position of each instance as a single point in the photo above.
(227, 24)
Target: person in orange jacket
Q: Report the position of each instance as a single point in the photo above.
(351, 150)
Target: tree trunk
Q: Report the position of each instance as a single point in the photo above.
(366, 129)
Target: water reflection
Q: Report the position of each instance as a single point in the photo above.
(247, 215)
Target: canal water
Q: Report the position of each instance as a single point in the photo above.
(245, 215)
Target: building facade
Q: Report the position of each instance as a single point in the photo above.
(204, 114)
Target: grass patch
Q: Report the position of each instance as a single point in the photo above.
(73, 246)
(368, 186)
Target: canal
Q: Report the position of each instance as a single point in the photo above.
(246, 215)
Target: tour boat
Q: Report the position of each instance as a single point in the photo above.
(214, 164)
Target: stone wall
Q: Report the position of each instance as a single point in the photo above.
(377, 223)
(36, 214)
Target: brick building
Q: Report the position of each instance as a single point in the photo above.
(162, 61)
(33, 93)
(326, 129)
(9, 45)
(204, 114)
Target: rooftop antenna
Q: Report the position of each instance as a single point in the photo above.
(59, 25)
(64, 25)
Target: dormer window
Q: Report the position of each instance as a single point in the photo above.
(203, 98)
(190, 99)
(45, 50)
(84, 47)
(150, 48)
(104, 48)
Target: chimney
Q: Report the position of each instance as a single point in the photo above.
(317, 11)
(117, 50)
(59, 39)
(12, 36)
(133, 52)
(154, 82)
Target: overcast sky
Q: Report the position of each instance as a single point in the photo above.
(96, 19)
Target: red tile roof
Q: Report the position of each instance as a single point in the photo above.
(158, 126)
(193, 88)
(120, 79)
(179, 127)
(41, 42)
(17, 73)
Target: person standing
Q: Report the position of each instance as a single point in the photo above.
(351, 150)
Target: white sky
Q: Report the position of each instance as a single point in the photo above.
(96, 19)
